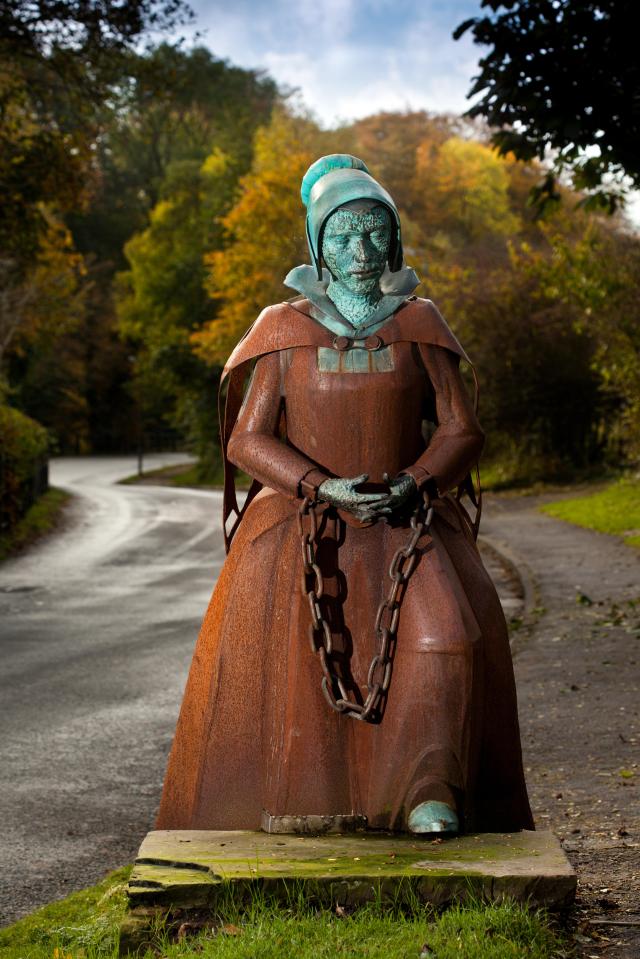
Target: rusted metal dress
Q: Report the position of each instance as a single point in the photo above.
(255, 732)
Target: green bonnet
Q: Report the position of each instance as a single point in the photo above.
(331, 182)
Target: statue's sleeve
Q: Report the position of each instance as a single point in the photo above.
(255, 445)
(457, 442)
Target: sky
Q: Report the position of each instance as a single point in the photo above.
(349, 58)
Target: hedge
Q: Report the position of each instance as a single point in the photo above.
(24, 476)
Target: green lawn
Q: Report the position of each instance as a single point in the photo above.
(615, 510)
(85, 926)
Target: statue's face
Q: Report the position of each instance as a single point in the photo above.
(355, 246)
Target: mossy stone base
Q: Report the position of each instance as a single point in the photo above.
(182, 872)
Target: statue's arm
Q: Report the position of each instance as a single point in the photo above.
(254, 445)
(457, 442)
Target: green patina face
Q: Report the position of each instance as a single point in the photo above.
(355, 247)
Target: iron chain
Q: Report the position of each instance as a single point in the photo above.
(387, 616)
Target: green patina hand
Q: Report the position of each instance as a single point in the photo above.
(367, 506)
(355, 247)
(401, 488)
(343, 494)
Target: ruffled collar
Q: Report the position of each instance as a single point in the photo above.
(396, 288)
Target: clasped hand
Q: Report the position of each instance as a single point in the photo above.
(367, 506)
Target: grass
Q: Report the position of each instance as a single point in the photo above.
(615, 510)
(39, 520)
(489, 932)
(187, 475)
(85, 926)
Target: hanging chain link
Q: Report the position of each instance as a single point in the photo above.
(386, 621)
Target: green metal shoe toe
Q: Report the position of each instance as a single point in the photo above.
(434, 817)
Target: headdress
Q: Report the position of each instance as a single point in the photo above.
(331, 182)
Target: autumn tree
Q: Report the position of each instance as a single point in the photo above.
(62, 67)
(461, 193)
(390, 144)
(596, 277)
(38, 316)
(188, 136)
(264, 230)
(483, 258)
(59, 65)
(542, 403)
(165, 111)
(48, 301)
(161, 299)
(171, 105)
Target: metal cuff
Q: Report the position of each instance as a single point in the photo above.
(419, 473)
(308, 485)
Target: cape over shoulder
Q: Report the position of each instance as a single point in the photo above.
(285, 326)
(420, 321)
(279, 327)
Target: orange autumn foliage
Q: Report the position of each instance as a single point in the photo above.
(264, 231)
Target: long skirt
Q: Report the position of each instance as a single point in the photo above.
(255, 732)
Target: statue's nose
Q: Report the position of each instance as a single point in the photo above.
(362, 251)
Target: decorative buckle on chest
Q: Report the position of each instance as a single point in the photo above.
(371, 343)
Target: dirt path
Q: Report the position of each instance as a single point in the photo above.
(578, 672)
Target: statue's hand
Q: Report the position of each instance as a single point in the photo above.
(401, 488)
(342, 493)
(367, 506)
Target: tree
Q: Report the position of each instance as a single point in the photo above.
(59, 65)
(487, 264)
(161, 299)
(64, 67)
(170, 105)
(39, 346)
(185, 138)
(462, 188)
(542, 402)
(48, 300)
(84, 28)
(264, 231)
(596, 277)
(562, 83)
(389, 143)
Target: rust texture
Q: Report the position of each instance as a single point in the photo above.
(255, 730)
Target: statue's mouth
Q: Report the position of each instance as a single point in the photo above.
(364, 274)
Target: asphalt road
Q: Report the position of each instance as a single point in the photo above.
(97, 627)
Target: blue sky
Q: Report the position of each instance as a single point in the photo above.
(349, 58)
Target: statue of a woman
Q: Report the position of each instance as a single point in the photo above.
(354, 660)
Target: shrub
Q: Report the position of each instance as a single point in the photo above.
(23, 464)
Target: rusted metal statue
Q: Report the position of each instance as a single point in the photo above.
(353, 589)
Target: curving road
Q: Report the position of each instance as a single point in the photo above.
(97, 627)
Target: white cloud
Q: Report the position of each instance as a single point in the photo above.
(350, 58)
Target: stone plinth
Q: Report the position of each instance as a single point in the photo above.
(183, 871)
